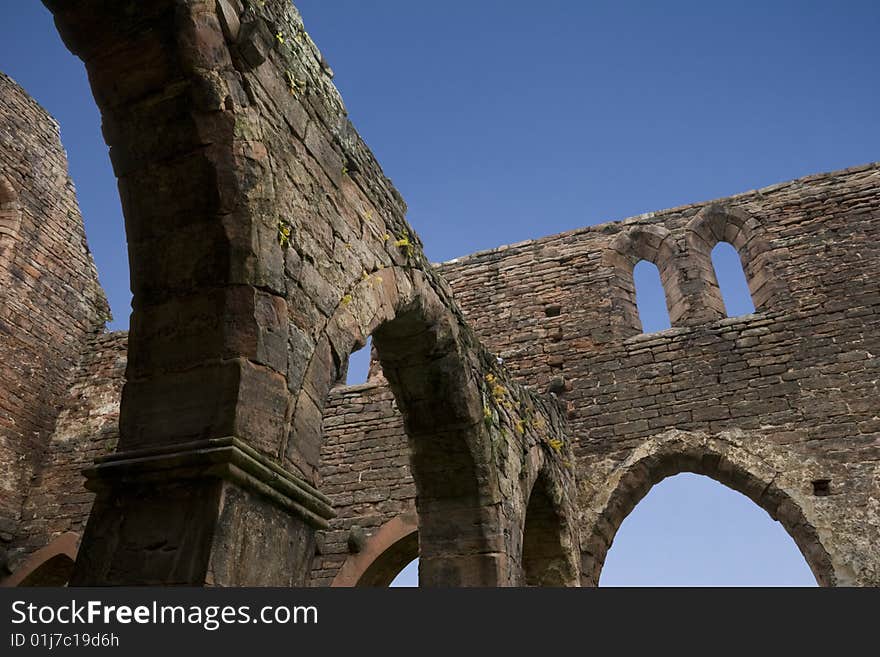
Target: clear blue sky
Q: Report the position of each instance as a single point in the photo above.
(505, 120)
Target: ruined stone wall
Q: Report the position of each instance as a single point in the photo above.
(87, 428)
(781, 405)
(50, 299)
(773, 404)
(364, 470)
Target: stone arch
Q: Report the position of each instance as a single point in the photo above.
(720, 223)
(430, 368)
(656, 245)
(10, 223)
(51, 565)
(721, 460)
(384, 555)
(251, 211)
(549, 540)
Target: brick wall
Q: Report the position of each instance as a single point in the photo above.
(87, 427)
(50, 299)
(364, 469)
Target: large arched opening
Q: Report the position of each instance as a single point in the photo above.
(547, 555)
(727, 465)
(436, 386)
(690, 530)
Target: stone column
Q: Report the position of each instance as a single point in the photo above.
(194, 494)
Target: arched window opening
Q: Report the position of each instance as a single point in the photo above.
(408, 577)
(690, 530)
(358, 370)
(388, 557)
(650, 297)
(732, 280)
(544, 560)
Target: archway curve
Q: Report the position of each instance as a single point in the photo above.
(51, 565)
(656, 245)
(433, 370)
(384, 302)
(384, 554)
(549, 529)
(717, 223)
(722, 223)
(723, 461)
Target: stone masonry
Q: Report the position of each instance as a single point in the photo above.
(780, 405)
(266, 244)
(515, 412)
(50, 299)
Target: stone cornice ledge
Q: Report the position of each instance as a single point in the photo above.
(226, 458)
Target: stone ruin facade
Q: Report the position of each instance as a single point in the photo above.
(515, 411)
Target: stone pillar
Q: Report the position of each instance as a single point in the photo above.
(194, 494)
(211, 512)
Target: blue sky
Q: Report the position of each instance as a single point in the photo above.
(501, 121)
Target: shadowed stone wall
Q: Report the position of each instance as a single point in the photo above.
(50, 299)
(86, 428)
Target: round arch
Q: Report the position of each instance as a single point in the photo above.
(720, 223)
(721, 461)
(384, 555)
(656, 245)
(549, 541)
(51, 565)
(431, 364)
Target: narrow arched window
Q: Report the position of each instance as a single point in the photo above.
(732, 280)
(650, 297)
(359, 365)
